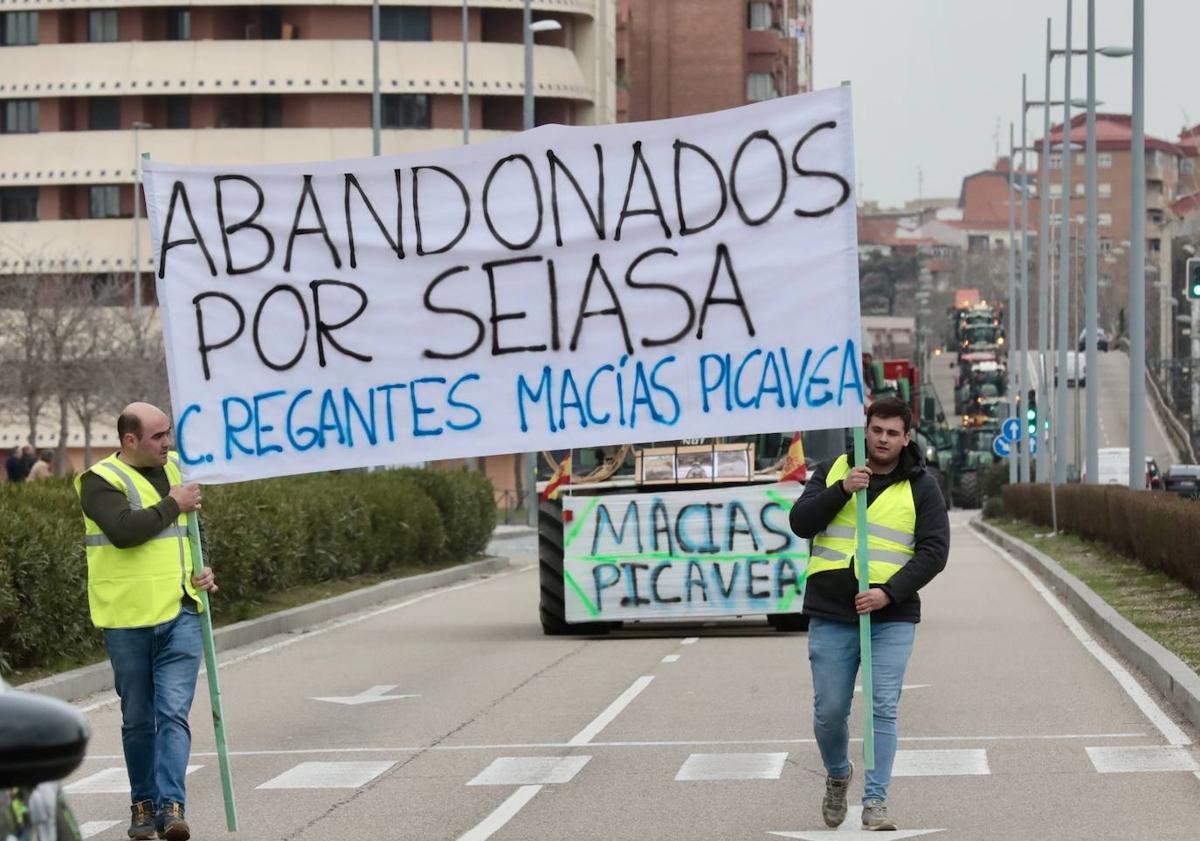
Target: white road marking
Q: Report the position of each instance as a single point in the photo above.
(670, 658)
(368, 696)
(108, 781)
(90, 828)
(700, 743)
(1133, 689)
(940, 763)
(858, 689)
(690, 641)
(111, 697)
(503, 814)
(614, 709)
(530, 770)
(1126, 760)
(732, 766)
(328, 775)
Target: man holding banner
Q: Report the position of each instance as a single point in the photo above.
(908, 540)
(144, 592)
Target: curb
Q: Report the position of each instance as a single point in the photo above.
(98, 677)
(505, 532)
(1170, 675)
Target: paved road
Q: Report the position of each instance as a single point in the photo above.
(1012, 728)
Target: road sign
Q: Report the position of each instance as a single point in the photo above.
(1011, 430)
(1033, 439)
(1001, 446)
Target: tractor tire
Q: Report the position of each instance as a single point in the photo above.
(788, 622)
(552, 603)
(970, 493)
(942, 484)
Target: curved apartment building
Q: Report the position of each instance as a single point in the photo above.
(87, 85)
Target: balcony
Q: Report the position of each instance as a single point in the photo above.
(126, 68)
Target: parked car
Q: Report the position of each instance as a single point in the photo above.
(42, 740)
(1183, 479)
(1101, 339)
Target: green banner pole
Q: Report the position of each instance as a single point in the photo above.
(864, 621)
(214, 683)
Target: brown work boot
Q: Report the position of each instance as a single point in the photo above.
(171, 824)
(141, 821)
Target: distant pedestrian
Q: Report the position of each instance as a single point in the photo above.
(28, 459)
(908, 537)
(135, 509)
(14, 467)
(41, 468)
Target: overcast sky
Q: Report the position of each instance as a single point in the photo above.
(934, 80)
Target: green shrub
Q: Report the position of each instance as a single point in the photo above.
(1159, 530)
(261, 537)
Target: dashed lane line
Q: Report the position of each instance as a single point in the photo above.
(613, 710)
(1169, 729)
(504, 813)
(667, 743)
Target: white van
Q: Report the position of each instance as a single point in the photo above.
(1076, 369)
(1114, 466)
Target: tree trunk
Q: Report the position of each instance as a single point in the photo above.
(64, 429)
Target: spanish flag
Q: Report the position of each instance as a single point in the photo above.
(794, 469)
(562, 476)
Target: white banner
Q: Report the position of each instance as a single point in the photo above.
(566, 287)
(682, 554)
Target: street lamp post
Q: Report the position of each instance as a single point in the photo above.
(1013, 385)
(1024, 466)
(1137, 260)
(136, 265)
(1043, 460)
(530, 27)
(1064, 279)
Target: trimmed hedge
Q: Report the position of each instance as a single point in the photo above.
(1159, 530)
(261, 537)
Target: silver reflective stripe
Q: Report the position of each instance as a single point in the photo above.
(894, 535)
(170, 532)
(888, 556)
(135, 498)
(840, 531)
(827, 553)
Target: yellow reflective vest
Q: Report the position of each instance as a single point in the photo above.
(891, 531)
(143, 585)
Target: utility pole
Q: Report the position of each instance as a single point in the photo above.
(1137, 259)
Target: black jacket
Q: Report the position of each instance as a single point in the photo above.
(830, 595)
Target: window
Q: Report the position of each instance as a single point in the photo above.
(1056, 161)
(1106, 246)
(18, 29)
(760, 86)
(405, 110)
(272, 110)
(1055, 189)
(102, 25)
(1080, 159)
(397, 23)
(1104, 190)
(272, 23)
(104, 201)
(1104, 220)
(18, 204)
(758, 15)
(1156, 217)
(1104, 160)
(1055, 220)
(19, 116)
(1187, 166)
(179, 112)
(1079, 188)
(104, 113)
(179, 24)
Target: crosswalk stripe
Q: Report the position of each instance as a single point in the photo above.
(328, 775)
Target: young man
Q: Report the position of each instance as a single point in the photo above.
(908, 540)
(143, 591)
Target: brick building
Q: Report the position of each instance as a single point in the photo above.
(680, 57)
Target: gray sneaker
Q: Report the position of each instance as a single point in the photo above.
(833, 807)
(875, 817)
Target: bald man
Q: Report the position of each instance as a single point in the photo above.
(144, 592)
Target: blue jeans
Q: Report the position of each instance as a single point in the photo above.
(155, 670)
(833, 651)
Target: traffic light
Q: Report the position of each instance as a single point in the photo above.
(1193, 278)
(1031, 413)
